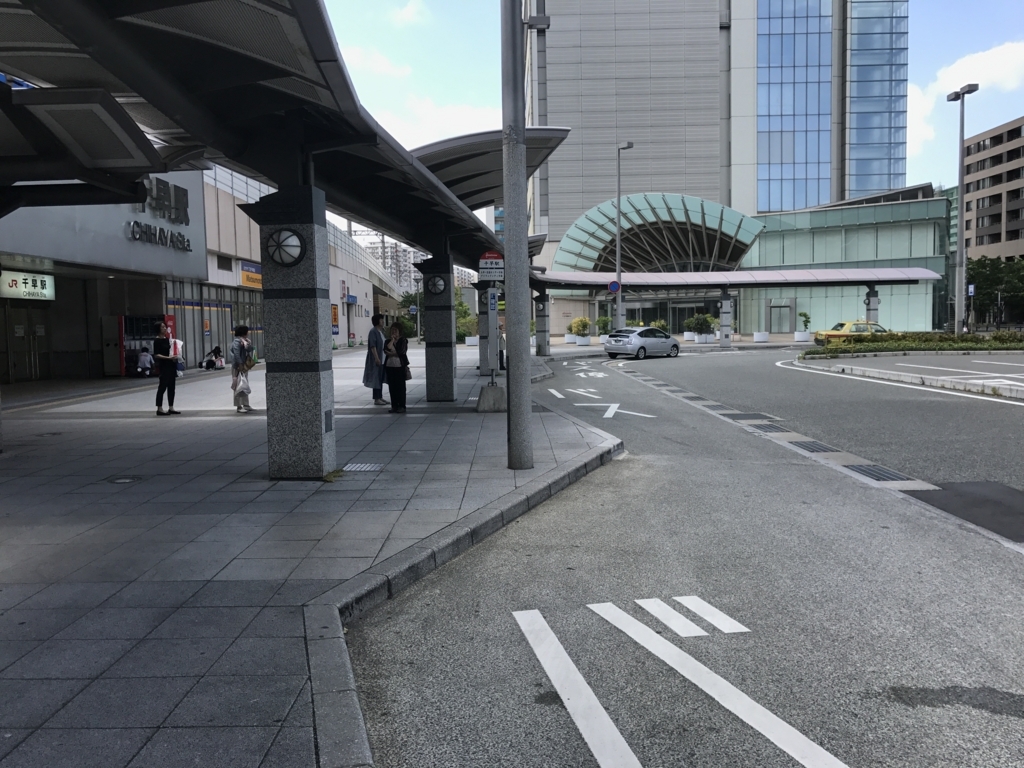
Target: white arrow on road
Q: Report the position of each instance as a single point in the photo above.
(613, 408)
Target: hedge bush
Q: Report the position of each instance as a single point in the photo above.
(861, 347)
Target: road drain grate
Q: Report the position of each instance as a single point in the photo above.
(363, 467)
(716, 407)
(696, 399)
(881, 474)
(769, 428)
(813, 446)
(749, 417)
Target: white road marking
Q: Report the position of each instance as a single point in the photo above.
(710, 614)
(605, 742)
(584, 392)
(776, 730)
(613, 408)
(557, 394)
(962, 371)
(993, 362)
(934, 390)
(672, 619)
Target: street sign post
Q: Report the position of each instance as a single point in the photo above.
(970, 290)
(412, 310)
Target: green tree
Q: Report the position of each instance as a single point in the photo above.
(989, 278)
(407, 300)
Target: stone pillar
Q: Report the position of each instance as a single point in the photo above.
(439, 325)
(725, 320)
(297, 332)
(871, 302)
(543, 307)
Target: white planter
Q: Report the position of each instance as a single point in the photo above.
(604, 337)
(689, 336)
(582, 341)
(704, 338)
(472, 341)
(533, 341)
(570, 338)
(718, 334)
(801, 336)
(760, 338)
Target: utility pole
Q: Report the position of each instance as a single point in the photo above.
(518, 300)
(620, 314)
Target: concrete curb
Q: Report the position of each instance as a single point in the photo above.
(341, 737)
(916, 354)
(547, 373)
(1013, 393)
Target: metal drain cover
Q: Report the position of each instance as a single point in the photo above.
(363, 467)
(881, 474)
(813, 446)
(696, 399)
(768, 427)
(716, 407)
(749, 416)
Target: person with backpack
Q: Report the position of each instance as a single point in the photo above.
(242, 362)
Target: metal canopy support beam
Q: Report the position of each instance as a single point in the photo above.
(517, 257)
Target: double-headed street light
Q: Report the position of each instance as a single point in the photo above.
(961, 255)
(620, 313)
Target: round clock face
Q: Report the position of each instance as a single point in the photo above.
(436, 285)
(286, 247)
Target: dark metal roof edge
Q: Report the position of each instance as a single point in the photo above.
(483, 137)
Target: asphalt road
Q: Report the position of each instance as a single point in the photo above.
(881, 632)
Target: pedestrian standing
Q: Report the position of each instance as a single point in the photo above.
(396, 366)
(501, 346)
(241, 363)
(168, 364)
(373, 370)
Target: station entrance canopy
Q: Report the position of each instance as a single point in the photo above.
(129, 87)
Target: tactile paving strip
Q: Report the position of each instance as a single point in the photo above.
(363, 467)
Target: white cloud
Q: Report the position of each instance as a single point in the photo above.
(373, 61)
(998, 69)
(422, 121)
(413, 12)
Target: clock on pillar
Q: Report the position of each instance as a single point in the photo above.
(436, 285)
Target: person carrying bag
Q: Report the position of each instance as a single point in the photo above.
(242, 361)
(396, 367)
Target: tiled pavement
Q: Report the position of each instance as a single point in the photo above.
(160, 621)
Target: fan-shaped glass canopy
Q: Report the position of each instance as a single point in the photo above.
(661, 232)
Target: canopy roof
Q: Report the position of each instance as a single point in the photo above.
(783, 278)
(661, 232)
(471, 166)
(256, 85)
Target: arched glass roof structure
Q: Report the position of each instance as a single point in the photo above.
(661, 232)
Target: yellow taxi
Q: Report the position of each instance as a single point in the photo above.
(844, 330)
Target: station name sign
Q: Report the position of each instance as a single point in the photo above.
(25, 285)
(168, 202)
(492, 266)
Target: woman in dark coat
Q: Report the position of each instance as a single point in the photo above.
(396, 367)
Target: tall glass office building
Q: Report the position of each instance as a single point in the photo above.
(831, 100)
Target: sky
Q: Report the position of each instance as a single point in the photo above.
(430, 69)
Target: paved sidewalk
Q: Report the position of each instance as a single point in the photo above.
(159, 595)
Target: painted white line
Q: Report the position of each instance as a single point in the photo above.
(776, 730)
(557, 394)
(993, 362)
(584, 392)
(962, 371)
(710, 614)
(787, 364)
(672, 619)
(605, 742)
(634, 413)
(611, 411)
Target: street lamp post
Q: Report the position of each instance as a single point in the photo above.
(961, 254)
(620, 314)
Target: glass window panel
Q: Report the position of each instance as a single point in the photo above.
(813, 48)
(787, 195)
(762, 123)
(871, 88)
(801, 25)
(775, 50)
(762, 147)
(788, 26)
(872, 25)
(787, 122)
(763, 99)
(787, 99)
(776, 8)
(762, 26)
(824, 195)
(762, 50)
(775, 75)
(775, 198)
(800, 195)
(812, 146)
(788, 7)
(788, 74)
(800, 147)
(775, 123)
(775, 148)
(787, 51)
(787, 147)
(775, 101)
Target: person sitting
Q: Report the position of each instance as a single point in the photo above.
(145, 362)
(214, 359)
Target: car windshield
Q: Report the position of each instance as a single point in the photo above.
(838, 326)
(877, 328)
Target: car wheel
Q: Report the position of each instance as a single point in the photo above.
(612, 355)
(674, 351)
(641, 353)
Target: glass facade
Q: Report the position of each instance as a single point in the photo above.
(794, 104)
(877, 105)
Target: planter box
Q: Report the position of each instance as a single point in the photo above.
(570, 338)
(801, 336)
(582, 341)
(760, 338)
(604, 337)
(472, 341)
(689, 336)
(718, 334)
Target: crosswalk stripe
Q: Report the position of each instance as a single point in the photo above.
(776, 730)
(672, 619)
(711, 614)
(557, 394)
(605, 742)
